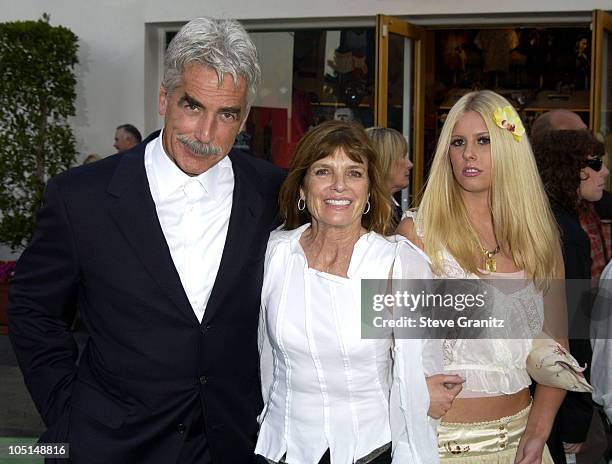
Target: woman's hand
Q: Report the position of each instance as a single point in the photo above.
(544, 407)
(530, 449)
(442, 391)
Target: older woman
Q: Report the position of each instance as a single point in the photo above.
(326, 390)
(484, 214)
(395, 165)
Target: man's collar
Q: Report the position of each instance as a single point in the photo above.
(170, 178)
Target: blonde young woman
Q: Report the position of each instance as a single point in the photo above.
(484, 214)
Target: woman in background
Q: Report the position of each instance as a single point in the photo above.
(484, 214)
(572, 170)
(394, 162)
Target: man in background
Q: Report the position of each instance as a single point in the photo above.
(126, 137)
(557, 120)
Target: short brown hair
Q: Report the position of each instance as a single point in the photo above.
(323, 141)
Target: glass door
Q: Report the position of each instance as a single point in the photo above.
(601, 79)
(400, 94)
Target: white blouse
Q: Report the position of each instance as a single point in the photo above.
(490, 367)
(323, 385)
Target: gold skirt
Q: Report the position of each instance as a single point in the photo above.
(492, 442)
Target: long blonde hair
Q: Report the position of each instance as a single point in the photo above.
(522, 220)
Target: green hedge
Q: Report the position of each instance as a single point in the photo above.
(37, 94)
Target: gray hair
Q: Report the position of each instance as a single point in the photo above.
(219, 44)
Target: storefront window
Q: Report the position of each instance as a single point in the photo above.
(310, 76)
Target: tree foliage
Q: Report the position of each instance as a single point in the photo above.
(37, 95)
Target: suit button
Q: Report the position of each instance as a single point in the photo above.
(203, 380)
(180, 428)
(205, 329)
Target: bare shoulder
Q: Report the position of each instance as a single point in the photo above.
(408, 230)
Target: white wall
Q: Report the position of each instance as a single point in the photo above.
(111, 73)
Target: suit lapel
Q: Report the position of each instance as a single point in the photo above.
(247, 208)
(134, 214)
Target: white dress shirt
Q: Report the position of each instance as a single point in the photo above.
(194, 216)
(323, 385)
(601, 332)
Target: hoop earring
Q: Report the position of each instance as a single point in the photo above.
(301, 206)
(367, 210)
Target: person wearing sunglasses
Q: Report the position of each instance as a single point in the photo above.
(595, 172)
(593, 175)
(572, 170)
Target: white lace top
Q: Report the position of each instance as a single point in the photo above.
(491, 367)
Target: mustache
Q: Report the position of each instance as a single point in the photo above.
(197, 147)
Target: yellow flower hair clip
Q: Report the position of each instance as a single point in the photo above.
(507, 118)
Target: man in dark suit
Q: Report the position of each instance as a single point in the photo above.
(162, 249)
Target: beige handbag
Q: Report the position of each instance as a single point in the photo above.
(551, 364)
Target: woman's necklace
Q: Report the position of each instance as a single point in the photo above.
(490, 261)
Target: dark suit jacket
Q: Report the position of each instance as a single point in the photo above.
(149, 362)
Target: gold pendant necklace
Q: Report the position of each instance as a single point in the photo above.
(490, 262)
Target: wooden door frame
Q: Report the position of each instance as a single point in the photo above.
(386, 25)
